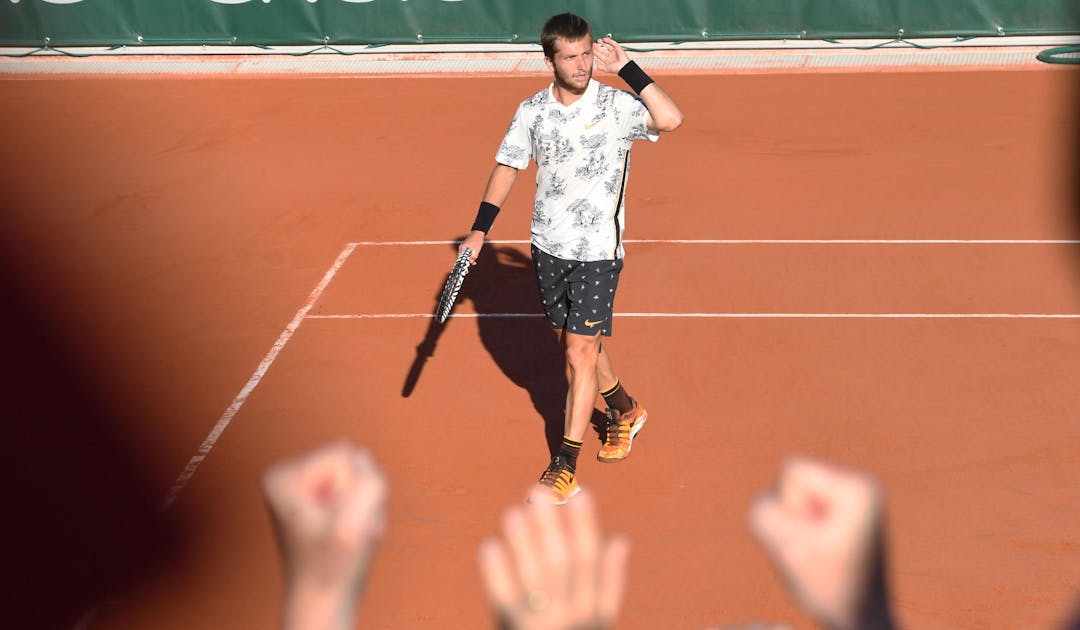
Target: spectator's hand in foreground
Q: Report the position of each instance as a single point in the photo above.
(328, 510)
(823, 528)
(752, 626)
(553, 571)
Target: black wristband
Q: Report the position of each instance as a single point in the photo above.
(485, 216)
(635, 77)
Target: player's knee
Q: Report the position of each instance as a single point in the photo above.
(582, 352)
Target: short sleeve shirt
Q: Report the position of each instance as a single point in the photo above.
(582, 154)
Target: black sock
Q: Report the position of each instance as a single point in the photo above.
(569, 452)
(617, 398)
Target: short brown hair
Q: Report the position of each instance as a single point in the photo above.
(563, 26)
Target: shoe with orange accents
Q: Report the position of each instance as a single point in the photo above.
(557, 485)
(621, 429)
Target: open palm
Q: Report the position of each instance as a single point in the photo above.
(608, 55)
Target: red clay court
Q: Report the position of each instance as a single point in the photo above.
(877, 267)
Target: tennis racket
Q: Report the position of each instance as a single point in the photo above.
(453, 286)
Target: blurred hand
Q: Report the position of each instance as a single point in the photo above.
(553, 572)
(328, 508)
(823, 528)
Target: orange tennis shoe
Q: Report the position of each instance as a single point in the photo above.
(557, 485)
(621, 429)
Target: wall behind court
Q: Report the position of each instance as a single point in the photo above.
(27, 23)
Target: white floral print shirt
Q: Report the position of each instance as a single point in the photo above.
(582, 154)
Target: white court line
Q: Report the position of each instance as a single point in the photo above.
(766, 241)
(268, 360)
(730, 315)
(750, 315)
(223, 422)
(421, 315)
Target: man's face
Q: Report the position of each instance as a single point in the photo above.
(572, 63)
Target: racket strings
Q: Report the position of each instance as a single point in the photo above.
(453, 286)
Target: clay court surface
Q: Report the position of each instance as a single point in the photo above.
(179, 228)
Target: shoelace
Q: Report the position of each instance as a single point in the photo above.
(556, 475)
(615, 427)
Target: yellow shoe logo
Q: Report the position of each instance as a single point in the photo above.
(591, 324)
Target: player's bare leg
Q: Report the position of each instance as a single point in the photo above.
(559, 482)
(606, 378)
(605, 373)
(582, 355)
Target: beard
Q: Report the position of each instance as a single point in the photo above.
(572, 82)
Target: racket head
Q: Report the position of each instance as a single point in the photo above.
(453, 285)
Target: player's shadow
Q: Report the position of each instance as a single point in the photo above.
(500, 286)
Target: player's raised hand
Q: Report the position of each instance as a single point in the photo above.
(608, 55)
(553, 571)
(823, 528)
(328, 508)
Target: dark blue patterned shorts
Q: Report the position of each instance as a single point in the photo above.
(577, 296)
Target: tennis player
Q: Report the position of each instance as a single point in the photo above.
(579, 132)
